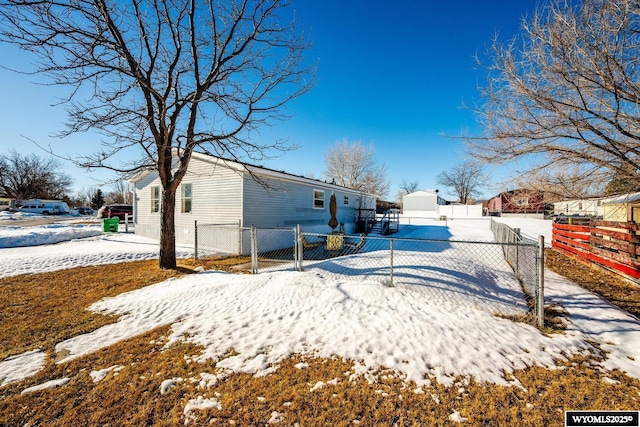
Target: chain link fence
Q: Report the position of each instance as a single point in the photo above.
(496, 276)
(221, 238)
(526, 258)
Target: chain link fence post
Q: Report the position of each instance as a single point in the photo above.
(298, 252)
(517, 261)
(254, 250)
(540, 284)
(391, 262)
(195, 240)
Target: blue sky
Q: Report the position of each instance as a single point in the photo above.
(392, 74)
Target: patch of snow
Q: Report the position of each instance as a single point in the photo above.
(18, 367)
(456, 417)
(197, 404)
(102, 249)
(317, 386)
(46, 385)
(167, 385)
(101, 374)
(275, 418)
(13, 237)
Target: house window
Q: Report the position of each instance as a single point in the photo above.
(346, 200)
(318, 199)
(579, 205)
(186, 198)
(155, 199)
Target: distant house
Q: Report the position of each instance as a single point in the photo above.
(219, 191)
(518, 202)
(422, 204)
(428, 204)
(589, 207)
(621, 208)
(7, 203)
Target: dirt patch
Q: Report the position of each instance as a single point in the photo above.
(610, 286)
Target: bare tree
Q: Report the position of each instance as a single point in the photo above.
(29, 176)
(564, 93)
(626, 182)
(559, 183)
(166, 78)
(466, 180)
(120, 193)
(409, 187)
(83, 196)
(353, 165)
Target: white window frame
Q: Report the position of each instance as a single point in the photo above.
(318, 199)
(155, 198)
(184, 199)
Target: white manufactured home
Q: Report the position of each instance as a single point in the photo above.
(428, 204)
(219, 191)
(592, 207)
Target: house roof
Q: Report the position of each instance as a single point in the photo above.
(621, 198)
(242, 167)
(422, 193)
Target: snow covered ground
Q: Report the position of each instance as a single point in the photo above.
(269, 316)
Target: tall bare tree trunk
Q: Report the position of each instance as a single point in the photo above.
(168, 231)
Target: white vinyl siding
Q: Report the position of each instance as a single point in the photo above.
(228, 194)
(285, 204)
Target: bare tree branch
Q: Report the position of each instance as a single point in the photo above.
(160, 80)
(564, 93)
(466, 180)
(353, 165)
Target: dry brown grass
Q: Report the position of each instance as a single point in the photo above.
(40, 310)
(612, 287)
(130, 396)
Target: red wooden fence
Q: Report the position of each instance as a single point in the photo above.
(615, 245)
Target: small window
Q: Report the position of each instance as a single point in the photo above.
(186, 198)
(155, 199)
(318, 199)
(522, 201)
(346, 200)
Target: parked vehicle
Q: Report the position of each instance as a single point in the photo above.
(85, 211)
(44, 207)
(112, 211)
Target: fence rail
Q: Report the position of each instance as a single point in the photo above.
(614, 245)
(497, 276)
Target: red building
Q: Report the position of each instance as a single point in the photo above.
(519, 201)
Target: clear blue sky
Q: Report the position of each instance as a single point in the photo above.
(391, 73)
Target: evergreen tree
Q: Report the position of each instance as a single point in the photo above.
(97, 200)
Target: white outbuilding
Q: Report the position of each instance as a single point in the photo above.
(429, 204)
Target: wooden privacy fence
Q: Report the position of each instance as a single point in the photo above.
(615, 245)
